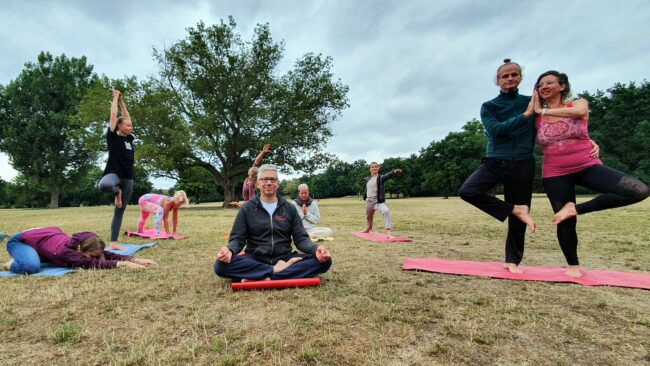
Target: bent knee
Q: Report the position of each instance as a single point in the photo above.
(642, 193)
(220, 268)
(466, 193)
(325, 266)
(29, 268)
(106, 187)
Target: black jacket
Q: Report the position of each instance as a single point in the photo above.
(381, 195)
(268, 239)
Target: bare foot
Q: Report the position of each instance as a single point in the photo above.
(513, 268)
(522, 212)
(573, 272)
(263, 279)
(567, 212)
(389, 234)
(366, 231)
(7, 266)
(118, 198)
(282, 265)
(115, 245)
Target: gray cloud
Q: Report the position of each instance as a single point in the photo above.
(417, 70)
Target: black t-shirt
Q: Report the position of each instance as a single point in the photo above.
(120, 154)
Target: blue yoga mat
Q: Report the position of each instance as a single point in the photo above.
(44, 272)
(132, 248)
(47, 271)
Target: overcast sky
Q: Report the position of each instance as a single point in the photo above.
(417, 70)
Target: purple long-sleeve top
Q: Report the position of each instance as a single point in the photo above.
(56, 247)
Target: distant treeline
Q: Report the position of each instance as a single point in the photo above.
(619, 122)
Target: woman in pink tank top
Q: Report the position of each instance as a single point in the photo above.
(569, 160)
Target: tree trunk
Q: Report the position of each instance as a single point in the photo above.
(229, 194)
(54, 199)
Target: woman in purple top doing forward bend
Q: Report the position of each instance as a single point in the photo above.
(31, 248)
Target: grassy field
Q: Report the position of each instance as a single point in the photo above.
(367, 311)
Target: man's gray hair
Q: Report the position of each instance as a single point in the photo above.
(266, 167)
(303, 186)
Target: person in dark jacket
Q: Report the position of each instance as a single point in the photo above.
(264, 228)
(375, 197)
(30, 248)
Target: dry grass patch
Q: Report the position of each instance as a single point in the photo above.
(367, 311)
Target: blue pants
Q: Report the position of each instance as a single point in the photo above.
(26, 259)
(245, 267)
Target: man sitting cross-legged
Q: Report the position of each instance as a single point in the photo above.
(264, 227)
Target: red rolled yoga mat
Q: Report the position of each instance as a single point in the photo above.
(259, 285)
(381, 238)
(590, 277)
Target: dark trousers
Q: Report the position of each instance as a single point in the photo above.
(111, 183)
(517, 179)
(246, 267)
(617, 189)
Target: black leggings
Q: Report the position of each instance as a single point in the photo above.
(517, 178)
(617, 189)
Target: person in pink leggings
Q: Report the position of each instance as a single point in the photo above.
(160, 205)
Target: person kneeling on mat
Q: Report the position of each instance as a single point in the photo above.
(83, 250)
(267, 243)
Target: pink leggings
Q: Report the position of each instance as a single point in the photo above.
(146, 208)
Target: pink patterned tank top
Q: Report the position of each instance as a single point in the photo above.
(154, 197)
(566, 146)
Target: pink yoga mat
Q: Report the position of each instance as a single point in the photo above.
(380, 238)
(151, 234)
(591, 277)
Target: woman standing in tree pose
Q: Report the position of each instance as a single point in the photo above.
(118, 174)
(562, 131)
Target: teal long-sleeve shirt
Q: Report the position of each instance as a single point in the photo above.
(511, 136)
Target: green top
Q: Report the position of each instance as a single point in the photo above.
(511, 136)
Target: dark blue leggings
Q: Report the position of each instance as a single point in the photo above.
(246, 267)
(617, 189)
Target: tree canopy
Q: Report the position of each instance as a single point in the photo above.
(43, 140)
(219, 99)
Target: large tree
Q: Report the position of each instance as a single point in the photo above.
(38, 132)
(220, 99)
